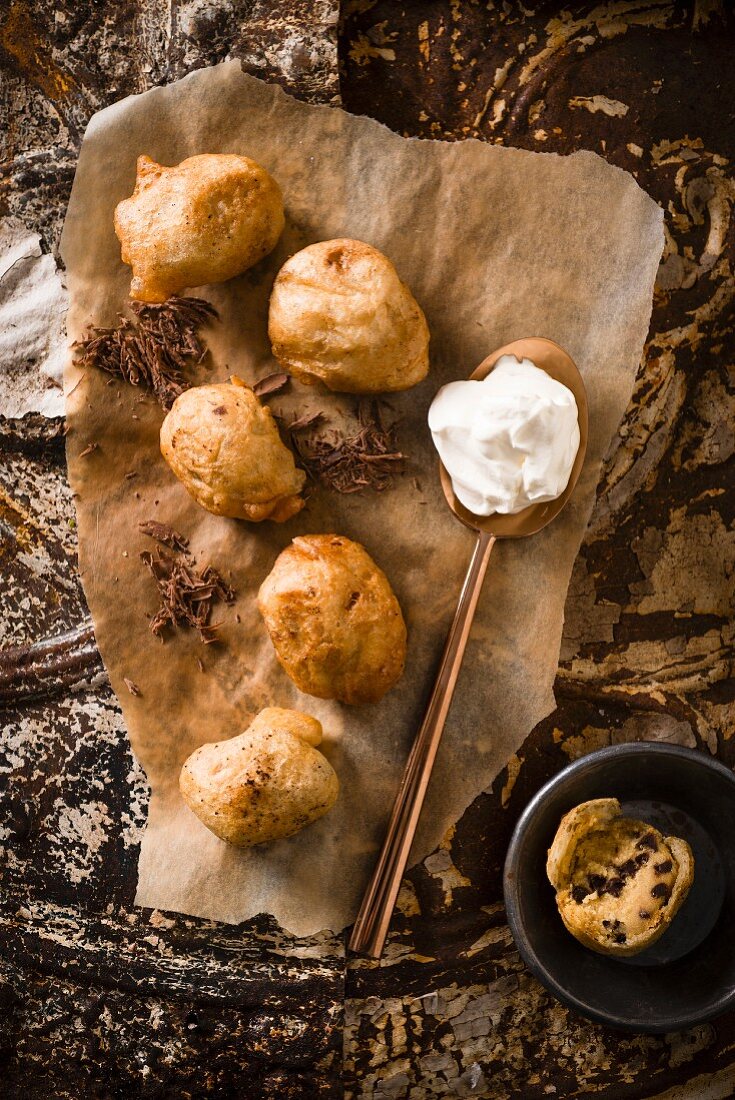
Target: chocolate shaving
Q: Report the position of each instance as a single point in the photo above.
(88, 449)
(154, 348)
(627, 869)
(272, 383)
(163, 533)
(369, 459)
(308, 420)
(131, 686)
(187, 596)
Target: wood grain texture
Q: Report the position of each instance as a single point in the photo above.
(100, 999)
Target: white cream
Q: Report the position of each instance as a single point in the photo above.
(508, 441)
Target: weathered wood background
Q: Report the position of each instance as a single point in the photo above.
(98, 999)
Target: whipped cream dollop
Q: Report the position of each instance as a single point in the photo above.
(508, 441)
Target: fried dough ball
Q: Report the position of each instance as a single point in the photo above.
(224, 447)
(331, 614)
(202, 221)
(266, 784)
(340, 314)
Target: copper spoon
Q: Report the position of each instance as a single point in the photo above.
(371, 927)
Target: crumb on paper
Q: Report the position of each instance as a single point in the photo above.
(163, 533)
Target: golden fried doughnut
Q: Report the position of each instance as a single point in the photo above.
(331, 614)
(340, 314)
(202, 221)
(224, 447)
(266, 784)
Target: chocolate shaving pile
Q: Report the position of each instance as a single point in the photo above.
(165, 534)
(154, 348)
(349, 463)
(187, 596)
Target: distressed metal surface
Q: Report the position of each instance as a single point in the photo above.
(100, 999)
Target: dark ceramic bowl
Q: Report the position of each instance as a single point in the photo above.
(688, 976)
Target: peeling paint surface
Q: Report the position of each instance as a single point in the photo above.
(99, 999)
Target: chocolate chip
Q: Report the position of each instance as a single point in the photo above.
(627, 869)
(606, 924)
(660, 890)
(648, 841)
(578, 894)
(663, 868)
(642, 859)
(597, 882)
(614, 887)
(644, 914)
(620, 938)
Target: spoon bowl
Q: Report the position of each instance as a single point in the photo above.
(559, 365)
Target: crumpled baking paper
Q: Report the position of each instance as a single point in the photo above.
(32, 338)
(496, 244)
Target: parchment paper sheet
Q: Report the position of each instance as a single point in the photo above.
(496, 244)
(32, 338)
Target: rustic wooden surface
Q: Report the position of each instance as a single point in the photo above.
(98, 999)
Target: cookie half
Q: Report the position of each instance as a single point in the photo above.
(619, 882)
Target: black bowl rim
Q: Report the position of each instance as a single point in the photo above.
(634, 748)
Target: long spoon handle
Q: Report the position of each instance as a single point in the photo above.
(371, 926)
